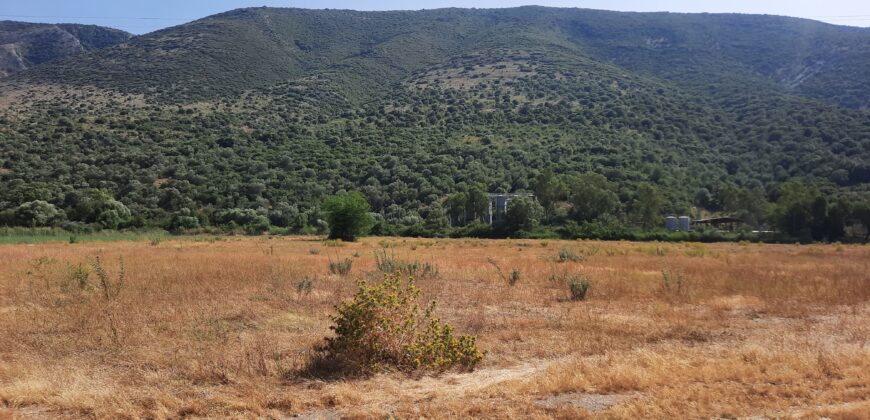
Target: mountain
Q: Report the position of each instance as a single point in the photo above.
(24, 45)
(263, 110)
(250, 48)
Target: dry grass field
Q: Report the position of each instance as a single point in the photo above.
(220, 328)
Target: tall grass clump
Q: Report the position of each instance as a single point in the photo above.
(77, 276)
(340, 267)
(514, 277)
(304, 286)
(566, 255)
(110, 288)
(388, 264)
(674, 284)
(383, 328)
(578, 286)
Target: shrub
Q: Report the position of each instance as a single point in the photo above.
(579, 287)
(78, 276)
(348, 216)
(566, 255)
(515, 277)
(340, 267)
(305, 286)
(383, 328)
(390, 264)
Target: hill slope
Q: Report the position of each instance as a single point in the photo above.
(24, 45)
(266, 111)
(250, 48)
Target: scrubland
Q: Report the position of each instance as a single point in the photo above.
(224, 327)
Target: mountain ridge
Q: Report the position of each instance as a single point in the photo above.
(799, 51)
(24, 44)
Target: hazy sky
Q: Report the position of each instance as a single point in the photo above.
(145, 16)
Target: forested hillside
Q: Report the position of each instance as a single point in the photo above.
(253, 117)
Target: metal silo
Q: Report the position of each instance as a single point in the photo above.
(671, 223)
(685, 223)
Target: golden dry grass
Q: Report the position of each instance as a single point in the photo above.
(217, 328)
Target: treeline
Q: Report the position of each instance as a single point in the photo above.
(563, 206)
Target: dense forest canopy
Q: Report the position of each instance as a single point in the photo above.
(253, 117)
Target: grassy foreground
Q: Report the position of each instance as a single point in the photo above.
(224, 328)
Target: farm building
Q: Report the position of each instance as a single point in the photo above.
(721, 223)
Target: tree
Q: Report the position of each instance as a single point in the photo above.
(838, 217)
(286, 215)
(523, 213)
(112, 214)
(249, 219)
(592, 197)
(861, 214)
(819, 222)
(96, 206)
(436, 218)
(478, 202)
(703, 198)
(456, 208)
(36, 213)
(646, 209)
(348, 216)
(796, 208)
(747, 204)
(548, 188)
(182, 220)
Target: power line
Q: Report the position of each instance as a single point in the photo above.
(840, 18)
(91, 17)
(844, 16)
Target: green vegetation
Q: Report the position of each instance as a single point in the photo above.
(249, 121)
(389, 264)
(579, 287)
(348, 216)
(340, 267)
(383, 328)
(18, 235)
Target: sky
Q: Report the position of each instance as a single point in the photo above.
(140, 17)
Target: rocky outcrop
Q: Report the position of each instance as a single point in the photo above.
(23, 45)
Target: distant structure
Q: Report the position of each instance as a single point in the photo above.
(722, 223)
(498, 205)
(685, 223)
(678, 224)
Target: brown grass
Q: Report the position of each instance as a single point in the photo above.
(217, 328)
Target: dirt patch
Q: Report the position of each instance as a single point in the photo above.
(463, 383)
(319, 415)
(591, 402)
